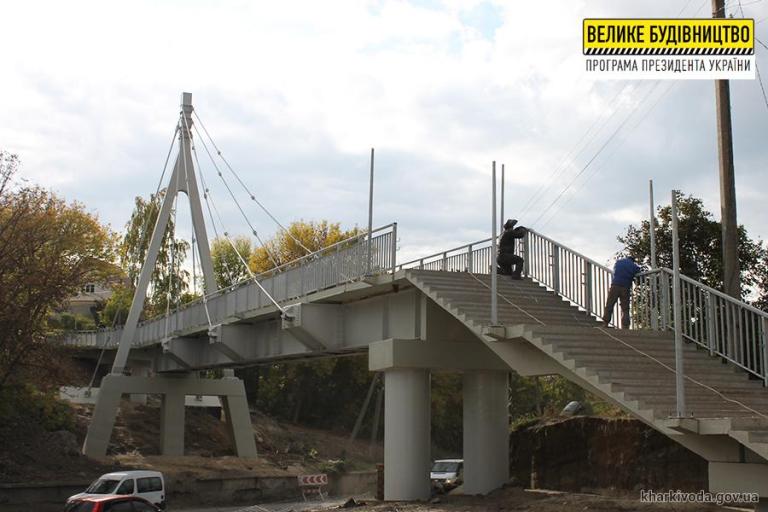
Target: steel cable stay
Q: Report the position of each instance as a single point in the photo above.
(206, 191)
(209, 197)
(244, 186)
(237, 203)
(142, 238)
(194, 239)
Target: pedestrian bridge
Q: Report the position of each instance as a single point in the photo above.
(434, 314)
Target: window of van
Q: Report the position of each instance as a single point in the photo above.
(126, 487)
(149, 484)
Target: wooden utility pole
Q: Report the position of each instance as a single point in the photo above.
(731, 284)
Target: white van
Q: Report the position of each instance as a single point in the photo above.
(447, 474)
(149, 485)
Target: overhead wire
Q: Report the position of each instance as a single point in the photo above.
(757, 68)
(595, 170)
(595, 156)
(570, 155)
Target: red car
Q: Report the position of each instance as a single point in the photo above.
(110, 504)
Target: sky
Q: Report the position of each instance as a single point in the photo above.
(295, 94)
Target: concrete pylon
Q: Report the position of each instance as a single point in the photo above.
(486, 431)
(406, 435)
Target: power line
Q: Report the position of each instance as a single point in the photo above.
(594, 157)
(603, 164)
(570, 155)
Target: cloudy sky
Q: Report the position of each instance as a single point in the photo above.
(295, 94)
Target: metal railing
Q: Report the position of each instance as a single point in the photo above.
(724, 326)
(581, 280)
(343, 262)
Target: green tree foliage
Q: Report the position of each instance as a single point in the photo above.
(227, 265)
(327, 393)
(48, 250)
(283, 248)
(701, 255)
(169, 279)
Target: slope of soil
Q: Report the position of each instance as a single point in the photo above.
(587, 453)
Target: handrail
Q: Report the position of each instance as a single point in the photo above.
(271, 272)
(441, 253)
(719, 323)
(343, 262)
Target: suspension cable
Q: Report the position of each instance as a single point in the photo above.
(237, 203)
(245, 187)
(209, 197)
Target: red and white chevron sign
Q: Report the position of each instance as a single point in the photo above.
(313, 480)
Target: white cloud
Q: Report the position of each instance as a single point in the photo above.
(296, 92)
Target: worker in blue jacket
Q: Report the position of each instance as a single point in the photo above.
(624, 272)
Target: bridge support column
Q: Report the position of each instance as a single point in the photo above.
(174, 389)
(172, 424)
(140, 371)
(486, 431)
(406, 434)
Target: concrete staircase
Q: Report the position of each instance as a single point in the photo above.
(634, 369)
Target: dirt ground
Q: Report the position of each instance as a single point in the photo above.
(29, 454)
(517, 499)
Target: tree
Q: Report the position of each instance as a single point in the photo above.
(227, 265)
(701, 255)
(48, 250)
(284, 248)
(324, 393)
(169, 279)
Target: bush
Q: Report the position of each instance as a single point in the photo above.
(32, 405)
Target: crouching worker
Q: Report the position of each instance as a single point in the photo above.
(624, 272)
(509, 262)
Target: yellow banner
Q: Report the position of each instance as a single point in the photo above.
(669, 36)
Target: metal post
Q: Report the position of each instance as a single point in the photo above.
(653, 311)
(494, 277)
(588, 287)
(765, 351)
(370, 217)
(711, 319)
(676, 302)
(556, 268)
(394, 248)
(469, 258)
(527, 254)
(501, 206)
(652, 226)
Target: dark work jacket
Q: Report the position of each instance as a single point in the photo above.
(507, 242)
